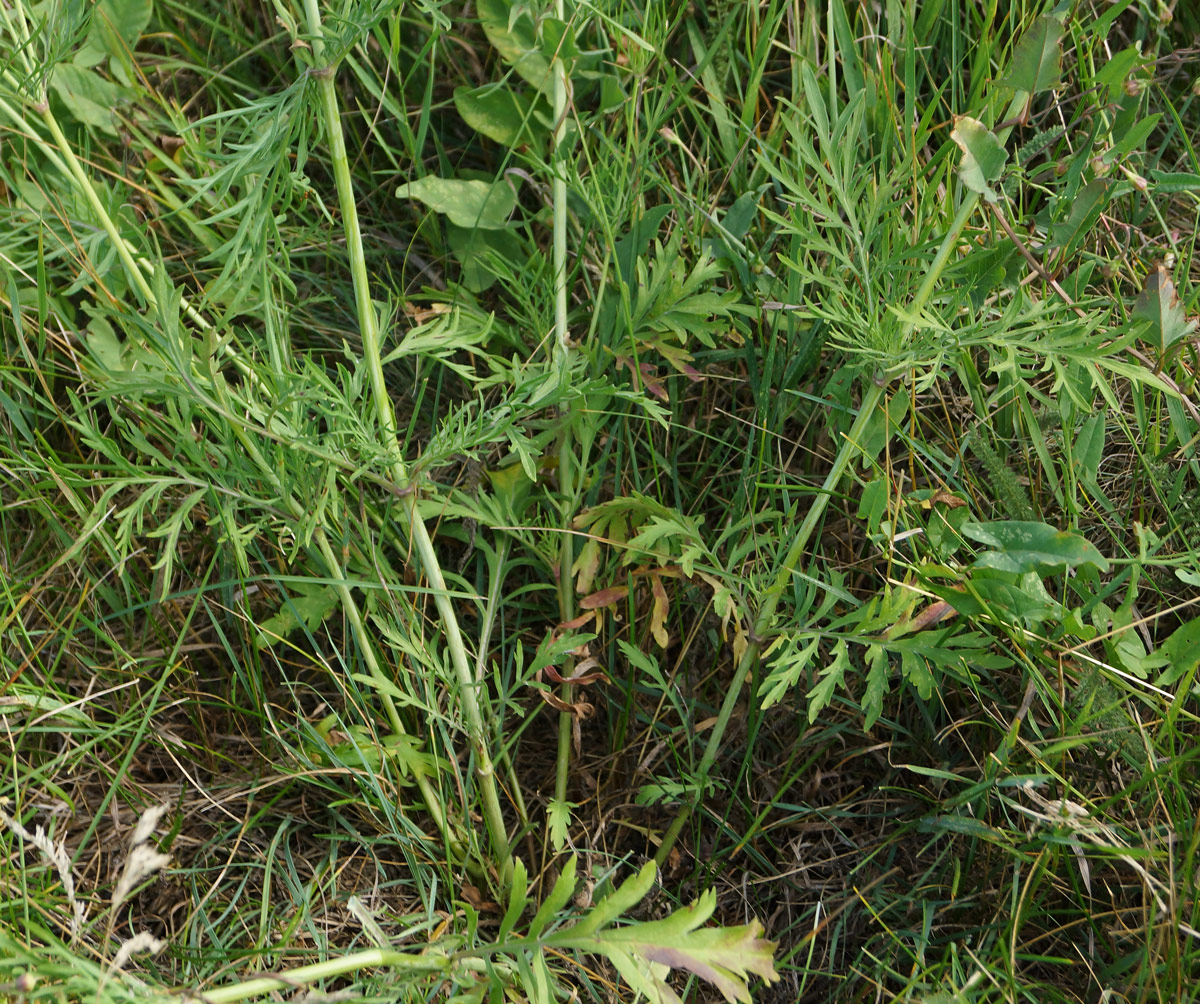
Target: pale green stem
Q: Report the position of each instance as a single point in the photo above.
(566, 460)
(762, 622)
(371, 958)
(369, 327)
(433, 802)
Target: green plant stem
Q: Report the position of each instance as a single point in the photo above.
(137, 269)
(334, 571)
(371, 958)
(766, 613)
(566, 719)
(762, 622)
(368, 321)
(433, 803)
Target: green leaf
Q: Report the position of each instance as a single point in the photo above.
(984, 156)
(785, 672)
(1089, 448)
(722, 956)
(872, 504)
(830, 680)
(471, 204)
(877, 685)
(1159, 306)
(558, 819)
(1086, 208)
(518, 896)
(916, 671)
(512, 32)
(478, 251)
(626, 896)
(1133, 138)
(1113, 75)
(310, 604)
(1026, 546)
(89, 97)
(1174, 181)
(1182, 652)
(881, 427)
(1037, 60)
(1024, 601)
(499, 114)
(644, 953)
(116, 27)
(560, 895)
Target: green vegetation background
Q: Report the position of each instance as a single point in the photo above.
(508, 501)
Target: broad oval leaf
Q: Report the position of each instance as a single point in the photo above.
(1025, 546)
(499, 114)
(511, 30)
(470, 204)
(1159, 305)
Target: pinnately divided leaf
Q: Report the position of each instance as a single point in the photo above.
(644, 952)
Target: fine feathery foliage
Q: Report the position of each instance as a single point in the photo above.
(480, 477)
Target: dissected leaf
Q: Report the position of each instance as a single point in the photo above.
(831, 678)
(518, 896)
(877, 685)
(558, 821)
(560, 895)
(627, 895)
(645, 952)
(785, 672)
(722, 956)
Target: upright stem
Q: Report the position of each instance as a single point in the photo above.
(368, 321)
(766, 613)
(762, 622)
(566, 460)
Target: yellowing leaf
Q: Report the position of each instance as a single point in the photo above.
(723, 956)
(658, 612)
